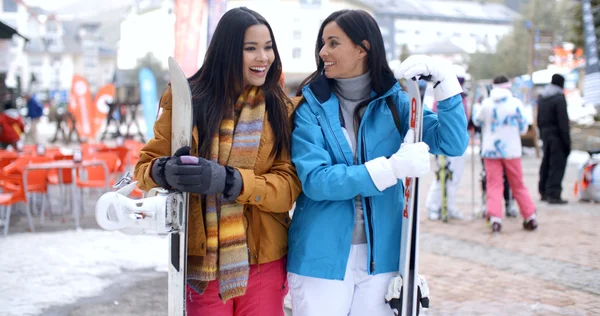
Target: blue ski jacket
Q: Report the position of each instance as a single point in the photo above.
(321, 231)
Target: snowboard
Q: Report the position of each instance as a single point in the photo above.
(161, 211)
(181, 135)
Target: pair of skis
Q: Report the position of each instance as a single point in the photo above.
(408, 291)
(443, 176)
(162, 212)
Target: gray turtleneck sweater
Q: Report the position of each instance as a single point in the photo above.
(351, 92)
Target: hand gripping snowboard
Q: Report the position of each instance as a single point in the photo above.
(163, 212)
(181, 135)
(407, 290)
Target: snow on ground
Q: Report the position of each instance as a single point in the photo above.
(39, 270)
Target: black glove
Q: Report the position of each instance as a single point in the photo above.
(158, 167)
(198, 175)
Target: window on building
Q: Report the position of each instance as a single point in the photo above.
(296, 53)
(35, 61)
(9, 6)
(50, 42)
(33, 28)
(51, 27)
(297, 35)
(55, 80)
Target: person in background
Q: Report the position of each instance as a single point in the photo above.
(455, 167)
(502, 124)
(11, 126)
(553, 123)
(35, 110)
(509, 200)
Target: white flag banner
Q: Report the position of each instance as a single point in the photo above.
(591, 81)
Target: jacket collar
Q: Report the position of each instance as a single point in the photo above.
(321, 87)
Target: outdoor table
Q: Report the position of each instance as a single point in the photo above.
(67, 164)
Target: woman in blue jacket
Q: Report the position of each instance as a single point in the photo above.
(344, 240)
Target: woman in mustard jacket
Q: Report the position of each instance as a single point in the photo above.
(244, 183)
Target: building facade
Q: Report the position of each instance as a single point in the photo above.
(441, 27)
(57, 49)
(295, 25)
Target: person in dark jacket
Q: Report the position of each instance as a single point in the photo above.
(35, 110)
(553, 123)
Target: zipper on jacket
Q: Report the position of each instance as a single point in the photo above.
(336, 140)
(369, 213)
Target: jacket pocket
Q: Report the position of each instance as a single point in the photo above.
(282, 218)
(298, 215)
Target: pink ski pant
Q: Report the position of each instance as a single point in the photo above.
(264, 294)
(495, 187)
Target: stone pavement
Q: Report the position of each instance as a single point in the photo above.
(552, 271)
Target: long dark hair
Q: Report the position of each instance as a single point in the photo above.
(359, 26)
(217, 84)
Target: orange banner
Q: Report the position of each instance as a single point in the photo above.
(80, 105)
(104, 96)
(188, 33)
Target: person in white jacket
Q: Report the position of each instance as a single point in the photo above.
(454, 168)
(502, 122)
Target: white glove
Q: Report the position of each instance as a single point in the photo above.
(442, 75)
(411, 160)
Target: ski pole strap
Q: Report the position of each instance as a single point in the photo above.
(395, 114)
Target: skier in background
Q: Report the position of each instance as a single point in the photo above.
(502, 122)
(455, 168)
(244, 183)
(509, 200)
(344, 239)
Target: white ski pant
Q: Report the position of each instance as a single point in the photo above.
(359, 294)
(434, 198)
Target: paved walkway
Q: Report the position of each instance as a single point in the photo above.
(552, 271)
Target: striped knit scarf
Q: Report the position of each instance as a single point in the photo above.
(226, 246)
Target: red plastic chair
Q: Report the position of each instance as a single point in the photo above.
(134, 147)
(123, 154)
(15, 183)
